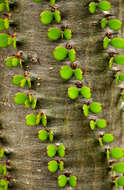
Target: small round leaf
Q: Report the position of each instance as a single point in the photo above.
(44, 119)
(66, 72)
(46, 17)
(31, 119)
(67, 34)
(92, 7)
(85, 110)
(72, 55)
(95, 107)
(60, 53)
(119, 59)
(57, 16)
(62, 181)
(53, 166)
(20, 98)
(51, 150)
(101, 123)
(17, 79)
(104, 5)
(73, 181)
(51, 135)
(85, 92)
(61, 165)
(106, 42)
(108, 138)
(73, 92)
(43, 135)
(61, 151)
(115, 24)
(103, 23)
(117, 43)
(117, 153)
(121, 181)
(92, 124)
(54, 33)
(119, 167)
(78, 74)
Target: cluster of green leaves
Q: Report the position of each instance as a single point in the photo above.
(73, 92)
(52, 150)
(7, 40)
(119, 77)
(54, 165)
(94, 107)
(3, 184)
(4, 5)
(2, 152)
(60, 53)
(4, 23)
(13, 61)
(56, 34)
(63, 180)
(45, 134)
(25, 99)
(47, 16)
(67, 72)
(3, 170)
(119, 60)
(51, 2)
(106, 138)
(113, 24)
(114, 42)
(21, 81)
(100, 123)
(36, 119)
(102, 5)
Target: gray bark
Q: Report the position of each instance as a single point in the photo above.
(83, 158)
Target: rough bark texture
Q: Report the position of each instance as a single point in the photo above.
(83, 156)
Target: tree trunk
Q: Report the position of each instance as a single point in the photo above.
(83, 157)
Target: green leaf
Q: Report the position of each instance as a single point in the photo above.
(61, 151)
(117, 43)
(15, 62)
(34, 103)
(20, 98)
(27, 104)
(121, 77)
(38, 118)
(1, 24)
(4, 170)
(57, 16)
(85, 110)
(120, 181)
(46, 17)
(67, 34)
(117, 79)
(2, 7)
(44, 119)
(111, 62)
(2, 151)
(23, 83)
(101, 123)
(31, 119)
(7, 5)
(92, 7)
(103, 23)
(78, 74)
(85, 92)
(115, 24)
(95, 107)
(52, 2)
(43, 135)
(60, 53)
(53, 166)
(92, 125)
(6, 23)
(108, 138)
(119, 59)
(104, 5)
(54, 33)
(14, 42)
(62, 181)
(119, 167)
(66, 72)
(73, 92)
(5, 40)
(117, 153)
(72, 55)
(51, 150)
(73, 181)
(106, 42)
(51, 136)
(61, 165)
(17, 79)
(29, 82)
